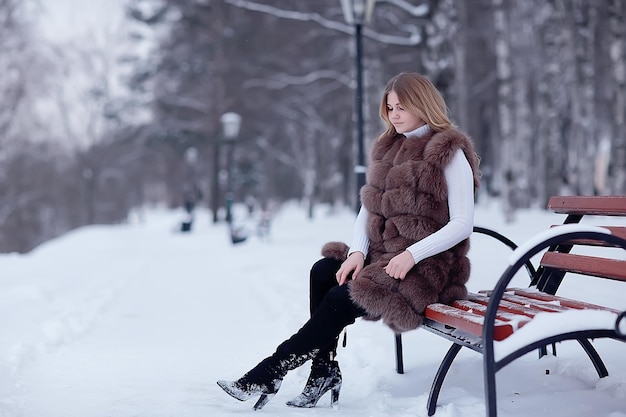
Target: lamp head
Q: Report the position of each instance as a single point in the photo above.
(231, 123)
(357, 11)
(191, 155)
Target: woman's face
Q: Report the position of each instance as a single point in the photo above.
(402, 120)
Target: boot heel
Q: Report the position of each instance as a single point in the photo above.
(324, 377)
(265, 398)
(334, 395)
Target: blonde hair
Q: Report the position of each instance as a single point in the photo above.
(420, 97)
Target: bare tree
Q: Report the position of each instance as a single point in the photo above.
(505, 106)
(580, 25)
(617, 25)
(551, 104)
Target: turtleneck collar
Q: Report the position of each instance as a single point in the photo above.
(419, 132)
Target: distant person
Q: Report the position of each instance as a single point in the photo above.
(251, 204)
(191, 195)
(264, 224)
(409, 245)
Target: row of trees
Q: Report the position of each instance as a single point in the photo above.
(91, 130)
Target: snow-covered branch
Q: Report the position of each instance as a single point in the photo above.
(413, 37)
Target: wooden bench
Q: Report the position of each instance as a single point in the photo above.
(487, 321)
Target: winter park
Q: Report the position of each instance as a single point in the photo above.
(183, 184)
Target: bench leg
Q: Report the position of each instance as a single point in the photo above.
(595, 357)
(543, 351)
(589, 350)
(440, 376)
(399, 360)
(490, 387)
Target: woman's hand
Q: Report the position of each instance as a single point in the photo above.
(400, 265)
(353, 264)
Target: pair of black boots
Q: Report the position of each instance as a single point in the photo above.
(265, 380)
(332, 310)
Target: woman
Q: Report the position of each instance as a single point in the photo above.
(409, 245)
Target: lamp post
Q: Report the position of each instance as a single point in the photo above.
(231, 123)
(215, 186)
(358, 13)
(191, 191)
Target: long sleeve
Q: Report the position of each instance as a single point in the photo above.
(460, 182)
(360, 242)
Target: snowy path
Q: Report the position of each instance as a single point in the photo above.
(148, 351)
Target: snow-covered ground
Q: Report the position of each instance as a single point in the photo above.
(137, 320)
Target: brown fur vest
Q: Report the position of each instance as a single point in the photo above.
(406, 197)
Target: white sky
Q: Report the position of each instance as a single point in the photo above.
(84, 39)
(64, 20)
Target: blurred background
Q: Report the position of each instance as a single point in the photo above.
(110, 106)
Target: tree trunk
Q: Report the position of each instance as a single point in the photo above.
(460, 77)
(617, 10)
(505, 107)
(581, 27)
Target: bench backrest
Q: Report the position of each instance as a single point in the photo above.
(556, 262)
(588, 206)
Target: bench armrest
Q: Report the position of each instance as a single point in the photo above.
(556, 235)
(498, 236)
(620, 325)
(525, 252)
(508, 242)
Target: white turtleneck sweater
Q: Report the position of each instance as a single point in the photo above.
(460, 182)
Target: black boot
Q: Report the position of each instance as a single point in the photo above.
(318, 334)
(325, 376)
(265, 378)
(243, 390)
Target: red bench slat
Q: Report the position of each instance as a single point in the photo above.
(587, 265)
(463, 320)
(575, 304)
(521, 306)
(481, 309)
(579, 205)
(517, 308)
(534, 304)
(468, 315)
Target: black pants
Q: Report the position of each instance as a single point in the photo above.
(331, 311)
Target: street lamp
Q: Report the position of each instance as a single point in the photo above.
(191, 191)
(231, 123)
(215, 186)
(358, 13)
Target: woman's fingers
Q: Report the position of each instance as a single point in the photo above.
(353, 265)
(400, 265)
(342, 275)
